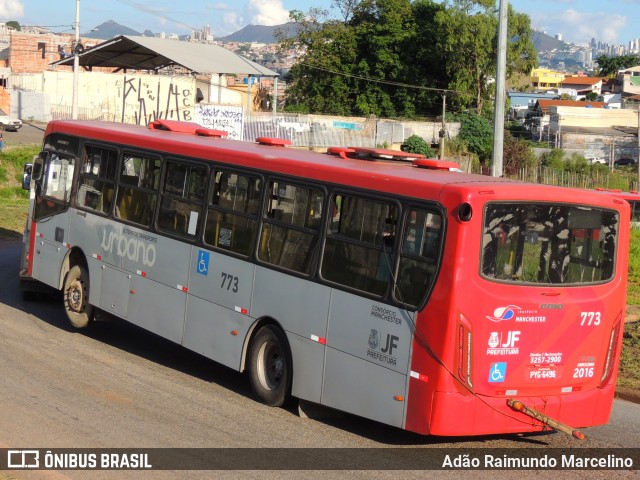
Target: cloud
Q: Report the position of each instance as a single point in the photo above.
(11, 9)
(581, 27)
(267, 12)
(232, 22)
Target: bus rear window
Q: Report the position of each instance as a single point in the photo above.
(548, 244)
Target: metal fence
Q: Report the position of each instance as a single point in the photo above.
(311, 131)
(596, 179)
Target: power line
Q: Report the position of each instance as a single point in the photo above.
(377, 80)
(157, 14)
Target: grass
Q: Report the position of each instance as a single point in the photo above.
(629, 373)
(14, 201)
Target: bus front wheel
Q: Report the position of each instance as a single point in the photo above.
(76, 297)
(270, 366)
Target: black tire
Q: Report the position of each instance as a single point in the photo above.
(270, 366)
(76, 297)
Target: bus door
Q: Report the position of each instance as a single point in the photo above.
(53, 181)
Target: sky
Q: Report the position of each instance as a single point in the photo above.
(610, 21)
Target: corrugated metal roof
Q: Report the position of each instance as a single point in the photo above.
(150, 53)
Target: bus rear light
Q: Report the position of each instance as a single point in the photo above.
(611, 352)
(464, 351)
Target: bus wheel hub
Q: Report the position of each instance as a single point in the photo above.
(74, 296)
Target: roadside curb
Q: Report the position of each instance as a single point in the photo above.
(628, 395)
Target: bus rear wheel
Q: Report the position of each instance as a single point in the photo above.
(76, 297)
(270, 366)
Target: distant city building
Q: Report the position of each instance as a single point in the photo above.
(546, 79)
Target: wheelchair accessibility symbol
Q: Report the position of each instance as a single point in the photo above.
(497, 372)
(203, 262)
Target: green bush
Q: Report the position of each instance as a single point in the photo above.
(416, 144)
(553, 159)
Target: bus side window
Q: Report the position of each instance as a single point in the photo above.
(291, 227)
(182, 198)
(97, 179)
(359, 248)
(419, 256)
(232, 216)
(137, 190)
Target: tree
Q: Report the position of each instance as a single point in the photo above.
(394, 57)
(469, 42)
(13, 24)
(609, 66)
(477, 132)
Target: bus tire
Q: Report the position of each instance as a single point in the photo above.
(76, 297)
(270, 366)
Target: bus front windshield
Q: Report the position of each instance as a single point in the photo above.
(544, 243)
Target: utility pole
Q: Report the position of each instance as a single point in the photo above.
(76, 65)
(498, 116)
(443, 131)
(638, 157)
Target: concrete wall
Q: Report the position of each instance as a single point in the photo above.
(129, 98)
(30, 106)
(592, 117)
(606, 147)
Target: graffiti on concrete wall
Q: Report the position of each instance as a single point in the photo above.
(145, 100)
(227, 118)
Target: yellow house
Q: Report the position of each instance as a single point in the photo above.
(546, 79)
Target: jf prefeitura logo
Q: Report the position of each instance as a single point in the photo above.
(382, 351)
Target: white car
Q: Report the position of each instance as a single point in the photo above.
(10, 124)
(593, 160)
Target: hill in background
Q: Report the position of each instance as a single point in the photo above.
(543, 42)
(248, 34)
(110, 29)
(259, 33)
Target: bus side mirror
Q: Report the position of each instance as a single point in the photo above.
(38, 166)
(26, 176)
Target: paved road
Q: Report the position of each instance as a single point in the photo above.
(29, 134)
(116, 385)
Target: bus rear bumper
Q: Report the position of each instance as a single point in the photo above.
(458, 414)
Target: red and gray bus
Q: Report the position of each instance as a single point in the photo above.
(374, 282)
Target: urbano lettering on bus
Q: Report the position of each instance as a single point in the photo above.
(134, 249)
